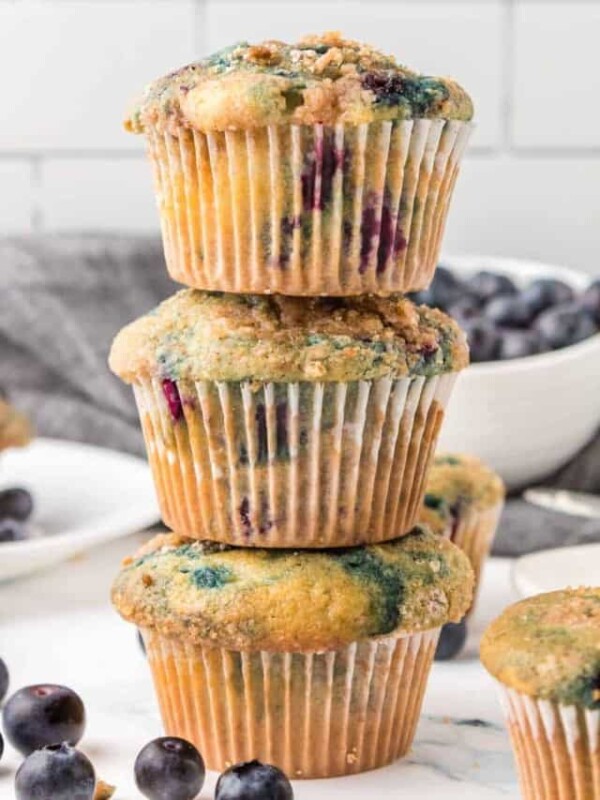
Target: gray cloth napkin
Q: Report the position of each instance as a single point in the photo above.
(62, 300)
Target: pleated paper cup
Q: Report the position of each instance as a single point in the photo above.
(473, 531)
(557, 747)
(292, 464)
(314, 715)
(307, 210)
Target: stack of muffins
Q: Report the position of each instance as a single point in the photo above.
(291, 401)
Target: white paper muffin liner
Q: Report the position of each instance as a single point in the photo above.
(292, 464)
(473, 531)
(557, 747)
(307, 210)
(314, 715)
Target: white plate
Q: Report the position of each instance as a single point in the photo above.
(549, 570)
(83, 496)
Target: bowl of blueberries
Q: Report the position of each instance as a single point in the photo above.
(529, 400)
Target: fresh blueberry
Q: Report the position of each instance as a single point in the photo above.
(565, 325)
(519, 344)
(508, 310)
(11, 530)
(59, 772)
(4, 679)
(422, 298)
(486, 284)
(253, 781)
(545, 292)
(484, 340)
(465, 308)
(445, 289)
(16, 504)
(452, 640)
(169, 769)
(590, 300)
(43, 715)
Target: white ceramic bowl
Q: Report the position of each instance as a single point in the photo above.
(550, 570)
(529, 416)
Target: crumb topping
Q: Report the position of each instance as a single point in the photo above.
(197, 335)
(548, 647)
(457, 482)
(294, 600)
(320, 79)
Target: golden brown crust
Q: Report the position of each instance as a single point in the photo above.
(284, 600)
(548, 647)
(201, 336)
(320, 79)
(459, 478)
(438, 518)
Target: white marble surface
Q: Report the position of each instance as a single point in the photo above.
(59, 627)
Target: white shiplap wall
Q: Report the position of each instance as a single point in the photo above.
(530, 184)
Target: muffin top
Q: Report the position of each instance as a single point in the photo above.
(320, 79)
(197, 335)
(15, 428)
(548, 647)
(458, 481)
(286, 600)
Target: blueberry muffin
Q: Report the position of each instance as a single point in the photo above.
(545, 654)
(320, 167)
(15, 428)
(276, 421)
(313, 660)
(463, 501)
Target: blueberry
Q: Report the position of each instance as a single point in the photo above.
(253, 781)
(4, 679)
(565, 325)
(42, 715)
(385, 86)
(16, 504)
(545, 292)
(508, 310)
(169, 769)
(452, 640)
(423, 298)
(173, 398)
(519, 344)
(465, 308)
(445, 289)
(59, 772)
(486, 284)
(11, 530)
(484, 339)
(590, 300)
